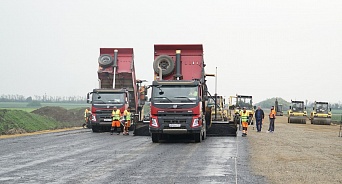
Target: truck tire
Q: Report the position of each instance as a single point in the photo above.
(105, 60)
(166, 63)
(204, 136)
(95, 129)
(155, 138)
(197, 137)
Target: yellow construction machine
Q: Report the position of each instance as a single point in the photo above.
(278, 108)
(218, 112)
(321, 113)
(297, 112)
(236, 103)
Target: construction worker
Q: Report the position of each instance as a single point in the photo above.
(86, 117)
(116, 115)
(259, 116)
(244, 119)
(272, 118)
(127, 118)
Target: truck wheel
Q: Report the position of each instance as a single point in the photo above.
(105, 60)
(95, 129)
(204, 136)
(198, 137)
(166, 63)
(155, 138)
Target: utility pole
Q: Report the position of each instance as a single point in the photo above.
(216, 94)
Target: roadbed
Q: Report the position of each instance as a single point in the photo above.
(297, 153)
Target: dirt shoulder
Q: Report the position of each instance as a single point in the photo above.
(297, 153)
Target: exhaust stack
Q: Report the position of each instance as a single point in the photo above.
(178, 75)
(115, 64)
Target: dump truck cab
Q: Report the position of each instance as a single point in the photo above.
(176, 108)
(103, 102)
(321, 113)
(297, 112)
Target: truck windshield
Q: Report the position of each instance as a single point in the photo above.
(244, 102)
(173, 94)
(322, 108)
(297, 107)
(108, 98)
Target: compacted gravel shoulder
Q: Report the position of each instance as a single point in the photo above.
(297, 153)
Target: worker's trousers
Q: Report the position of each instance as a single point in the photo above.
(271, 128)
(258, 124)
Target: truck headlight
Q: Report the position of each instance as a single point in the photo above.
(196, 123)
(154, 123)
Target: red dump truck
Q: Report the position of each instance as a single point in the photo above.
(179, 92)
(117, 87)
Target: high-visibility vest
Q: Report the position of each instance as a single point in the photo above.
(127, 114)
(116, 114)
(244, 116)
(86, 113)
(272, 114)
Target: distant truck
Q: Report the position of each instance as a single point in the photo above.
(179, 93)
(117, 87)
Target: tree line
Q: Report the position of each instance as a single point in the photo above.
(43, 98)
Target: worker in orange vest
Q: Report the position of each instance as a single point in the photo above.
(244, 120)
(116, 115)
(272, 118)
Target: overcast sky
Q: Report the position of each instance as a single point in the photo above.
(265, 48)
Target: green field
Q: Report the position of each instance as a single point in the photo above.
(23, 106)
(18, 121)
(336, 114)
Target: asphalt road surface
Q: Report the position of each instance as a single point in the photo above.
(80, 156)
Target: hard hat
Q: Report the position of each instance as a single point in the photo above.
(244, 108)
(114, 107)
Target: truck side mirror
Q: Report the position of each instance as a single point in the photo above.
(313, 108)
(330, 108)
(304, 108)
(254, 107)
(290, 107)
(88, 100)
